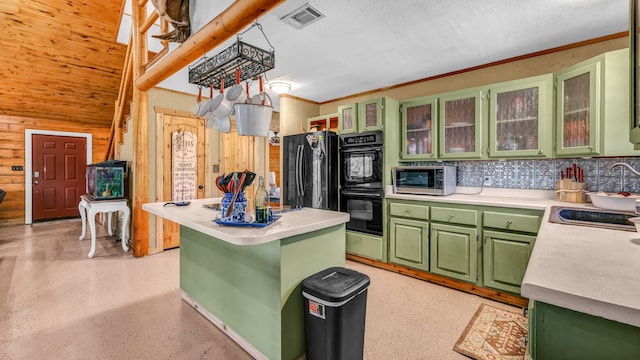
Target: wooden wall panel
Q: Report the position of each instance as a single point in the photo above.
(274, 162)
(60, 60)
(12, 152)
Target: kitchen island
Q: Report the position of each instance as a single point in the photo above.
(246, 280)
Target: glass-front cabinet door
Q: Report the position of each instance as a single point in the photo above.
(370, 115)
(418, 120)
(577, 110)
(520, 118)
(347, 119)
(460, 131)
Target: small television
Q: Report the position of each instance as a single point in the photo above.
(106, 180)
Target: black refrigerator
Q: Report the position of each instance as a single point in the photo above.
(310, 170)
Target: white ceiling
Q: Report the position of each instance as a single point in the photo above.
(363, 45)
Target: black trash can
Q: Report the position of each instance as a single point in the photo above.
(335, 304)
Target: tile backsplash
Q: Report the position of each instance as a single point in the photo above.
(543, 174)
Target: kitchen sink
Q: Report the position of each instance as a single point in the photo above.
(608, 219)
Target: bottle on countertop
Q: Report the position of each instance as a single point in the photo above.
(261, 202)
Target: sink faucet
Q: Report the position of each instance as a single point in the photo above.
(632, 170)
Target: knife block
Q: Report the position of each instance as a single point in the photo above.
(571, 191)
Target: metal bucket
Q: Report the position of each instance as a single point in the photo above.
(253, 119)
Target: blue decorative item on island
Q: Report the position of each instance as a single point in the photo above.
(239, 208)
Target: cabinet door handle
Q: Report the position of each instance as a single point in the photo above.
(486, 237)
(540, 151)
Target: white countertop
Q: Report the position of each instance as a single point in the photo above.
(200, 218)
(586, 269)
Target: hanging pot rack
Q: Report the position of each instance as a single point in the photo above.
(249, 59)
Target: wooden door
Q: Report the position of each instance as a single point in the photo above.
(59, 165)
(237, 153)
(178, 131)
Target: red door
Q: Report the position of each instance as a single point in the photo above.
(59, 164)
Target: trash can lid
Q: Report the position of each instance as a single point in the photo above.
(335, 284)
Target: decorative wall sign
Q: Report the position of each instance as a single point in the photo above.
(184, 165)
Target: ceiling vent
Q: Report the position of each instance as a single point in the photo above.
(303, 16)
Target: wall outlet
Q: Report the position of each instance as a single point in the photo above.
(488, 181)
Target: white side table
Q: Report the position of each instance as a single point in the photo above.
(91, 207)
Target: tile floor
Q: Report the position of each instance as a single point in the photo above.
(55, 303)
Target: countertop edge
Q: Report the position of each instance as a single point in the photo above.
(243, 236)
(621, 314)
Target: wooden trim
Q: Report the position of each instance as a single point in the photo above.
(232, 20)
(140, 218)
(445, 281)
(173, 112)
(483, 66)
(160, 118)
(301, 99)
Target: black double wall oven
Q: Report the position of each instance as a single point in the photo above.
(361, 181)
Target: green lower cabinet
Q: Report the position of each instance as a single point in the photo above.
(454, 252)
(409, 243)
(366, 245)
(505, 259)
(559, 333)
(531, 328)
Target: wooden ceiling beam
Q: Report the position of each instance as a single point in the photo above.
(231, 21)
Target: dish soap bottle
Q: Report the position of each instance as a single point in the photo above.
(261, 202)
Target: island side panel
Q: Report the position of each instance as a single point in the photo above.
(240, 285)
(303, 256)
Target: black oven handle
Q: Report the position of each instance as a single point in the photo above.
(376, 195)
(361, 149)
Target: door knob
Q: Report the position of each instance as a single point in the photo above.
(35, 182)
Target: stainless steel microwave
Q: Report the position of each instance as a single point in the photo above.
(429, 180)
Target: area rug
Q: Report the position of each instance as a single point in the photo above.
(494, 334)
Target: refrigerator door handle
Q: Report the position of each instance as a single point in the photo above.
(298, 171)
(297, 177)
(302, 169)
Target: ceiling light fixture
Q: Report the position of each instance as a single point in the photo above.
(280, 87)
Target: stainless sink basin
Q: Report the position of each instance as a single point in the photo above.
(608, 219)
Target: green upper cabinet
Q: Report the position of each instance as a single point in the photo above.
(324, 122)
(577, 110)
(592, 107)
(419, 134)
(348, 119)
(521, 118)
(370, 115)
(461, 118)
(609, 106)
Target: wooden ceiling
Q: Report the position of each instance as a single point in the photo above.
(60, 59)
